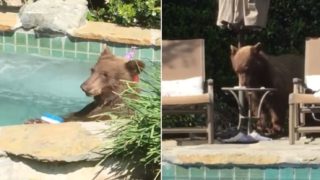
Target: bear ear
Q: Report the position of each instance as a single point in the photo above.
(134, 66)
(233, 49)
(257, 47)
(106, 52)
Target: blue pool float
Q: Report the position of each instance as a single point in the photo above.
(52, 119)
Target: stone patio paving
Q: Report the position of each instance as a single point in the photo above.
(261, 153)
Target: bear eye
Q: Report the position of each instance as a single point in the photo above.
(92, 70)
(105, 74)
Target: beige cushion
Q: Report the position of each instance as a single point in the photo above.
(182, 87)
(313, 82)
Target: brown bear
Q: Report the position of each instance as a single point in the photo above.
(106, 82)
(255, 69)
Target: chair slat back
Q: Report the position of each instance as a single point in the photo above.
(182, 59)
(312, 63)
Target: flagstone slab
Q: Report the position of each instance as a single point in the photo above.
(68, 142)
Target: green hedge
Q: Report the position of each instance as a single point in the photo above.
(289, 23)
(144, 13)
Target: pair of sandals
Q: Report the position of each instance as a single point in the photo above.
(233, 135)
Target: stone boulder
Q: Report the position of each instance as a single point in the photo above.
(14, 3)
(54, 15)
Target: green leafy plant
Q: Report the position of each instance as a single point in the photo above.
(144, 13)
(137, 141)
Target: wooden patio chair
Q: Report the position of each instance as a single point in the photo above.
(301, 101)
(183, 82)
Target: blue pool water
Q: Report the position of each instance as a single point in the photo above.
(31, 85)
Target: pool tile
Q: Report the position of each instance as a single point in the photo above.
(226, 173)
(256, 174)
(33, 50)
(82, 46)
(146, 54)
(197, 172)
(94, 47)
(44, 42)
(69, 44)
(94, 57)
(241, 173)
(69, 47)
(69, 54)
(56, 43)
(1, 37)
(211, 172)
(302, 173)
(286, 173)
(9, 37)
(9, 48)
(32, 40)
(81, 56)
(167, 178)
(182, 172)
(120, 50)
(271, 174)
(157, 54)
(21, 39)
(21, 49)
(168, 171)
(57, 53)
(44, 52)
(315, 173)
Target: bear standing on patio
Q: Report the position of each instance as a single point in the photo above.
(254, 70)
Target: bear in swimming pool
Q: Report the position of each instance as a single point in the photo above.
(104, 84)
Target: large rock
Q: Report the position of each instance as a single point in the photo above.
(58, 151)
(16, 3)
(66, 142)
(54, 15)
(18, 168)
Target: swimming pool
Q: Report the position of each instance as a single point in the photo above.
(237, 172)
(31, 85)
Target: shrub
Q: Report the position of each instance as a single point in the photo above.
(144, 13)
(137, 142)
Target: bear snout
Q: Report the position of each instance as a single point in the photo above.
(90, 89)
(85, 88)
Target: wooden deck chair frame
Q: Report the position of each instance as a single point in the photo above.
(301, 103)
(183, 59)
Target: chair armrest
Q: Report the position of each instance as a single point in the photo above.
(210, 90)
(302, 87)
(298, 85)
(297, 81)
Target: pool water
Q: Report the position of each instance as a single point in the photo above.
(32, 85)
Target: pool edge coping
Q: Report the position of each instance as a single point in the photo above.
(119, 34)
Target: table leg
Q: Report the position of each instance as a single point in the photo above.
(241, 102)
(249, 113)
